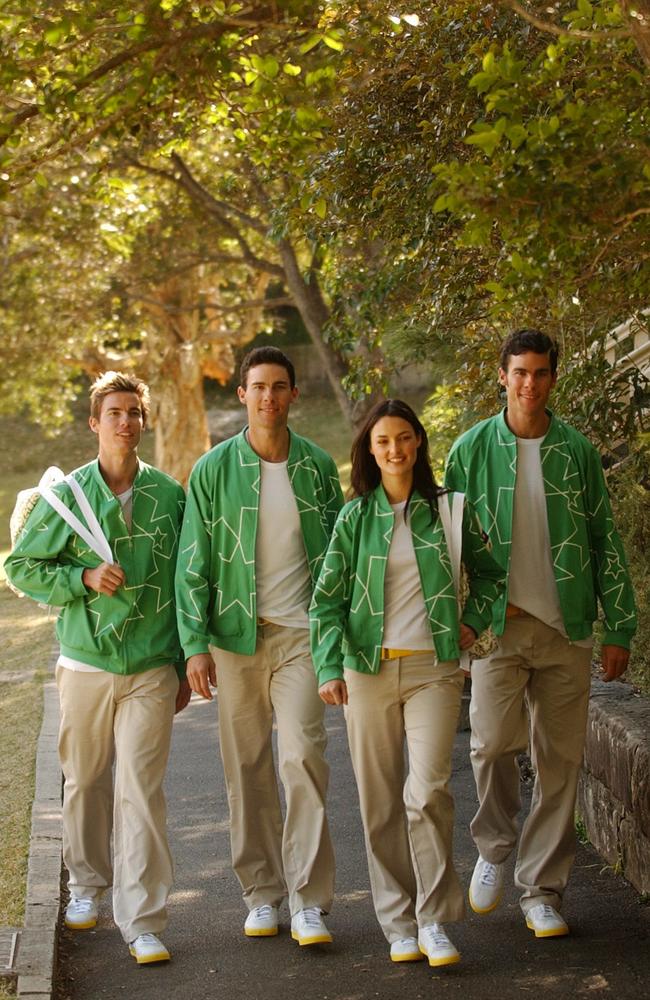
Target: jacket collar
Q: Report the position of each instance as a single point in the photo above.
(506, 434)
(101, 482)
(251, 456)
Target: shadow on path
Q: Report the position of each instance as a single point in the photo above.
(606, 955)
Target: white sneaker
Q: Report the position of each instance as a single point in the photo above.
(405, 950)
(485, 887)
(148, 948)
(545, 921)
(81, 913)
(308, 927)
(262, 921)
(435, 944)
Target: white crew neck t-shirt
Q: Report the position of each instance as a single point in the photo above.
(406, 625)
(283, 580)
(531, 581)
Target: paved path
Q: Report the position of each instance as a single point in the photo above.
(606, 956)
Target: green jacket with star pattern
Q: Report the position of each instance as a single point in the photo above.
(215, 578)
(587, 553)
(135, 629)
(347, 609)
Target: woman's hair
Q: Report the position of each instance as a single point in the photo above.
(366, 475)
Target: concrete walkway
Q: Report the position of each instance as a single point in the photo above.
(607, 954)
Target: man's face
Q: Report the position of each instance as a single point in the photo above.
(267, 396)
(528, 382)
(120, 423)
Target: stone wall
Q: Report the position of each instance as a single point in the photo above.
(614, 788)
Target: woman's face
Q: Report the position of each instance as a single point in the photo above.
(394, 445)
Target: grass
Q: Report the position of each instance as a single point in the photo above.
(26, 637)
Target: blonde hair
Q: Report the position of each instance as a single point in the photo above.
(109, 382)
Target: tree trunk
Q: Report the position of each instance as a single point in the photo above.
(638, 14)
(178, 413)
(315, 314)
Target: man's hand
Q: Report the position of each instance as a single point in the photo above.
(334, 692)
(467, 636)
(614, 660)
(201, 674)
(183, 696)
(104, 579)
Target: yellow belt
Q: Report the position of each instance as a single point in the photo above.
(395, 654)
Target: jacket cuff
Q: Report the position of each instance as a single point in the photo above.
(325, 674)
(75, 581)
(474, 622)
(195, 647)
(623, 639)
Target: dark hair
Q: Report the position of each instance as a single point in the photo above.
(521, 341)
(366, 476)
(266, 356)
(109, 382)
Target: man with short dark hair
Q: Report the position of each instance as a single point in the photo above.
(538, 487)
(118, 669)
(260, 511)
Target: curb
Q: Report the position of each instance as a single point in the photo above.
(37, 954)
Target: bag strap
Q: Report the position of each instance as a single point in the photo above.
(452, 524)
(93, 535)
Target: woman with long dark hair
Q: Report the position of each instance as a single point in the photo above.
(385, 642)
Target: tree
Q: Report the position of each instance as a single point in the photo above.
(502, 176)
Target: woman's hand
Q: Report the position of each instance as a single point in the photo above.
(334, 692)
(467, 636)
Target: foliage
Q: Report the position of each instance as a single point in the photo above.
(487, 175)
(629, 487)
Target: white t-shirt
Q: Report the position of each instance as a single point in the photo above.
(283, 580)
(531, 581)
(406, 625)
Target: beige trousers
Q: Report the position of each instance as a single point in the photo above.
(408, 825)
(533, 667)
(273, 857)
(127, 718)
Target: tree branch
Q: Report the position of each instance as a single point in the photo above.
(207, 31)
(553, 29)
(276, 303)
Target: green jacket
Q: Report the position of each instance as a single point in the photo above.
(135, 629)
(347, 610)
(215, 578)
(587, 553)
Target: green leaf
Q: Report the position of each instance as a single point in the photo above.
(333, 43)
(320, 208)
(291, 69)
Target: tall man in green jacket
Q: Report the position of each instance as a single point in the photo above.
(261, 507)
(538, 486)
(116, 675)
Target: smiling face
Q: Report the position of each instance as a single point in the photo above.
(394, 445)
(528, 381)
(267, 397)
(120, 423)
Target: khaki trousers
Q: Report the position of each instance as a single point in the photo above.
(106, 716)
(271, 857)
(408, 825)
(533, 667)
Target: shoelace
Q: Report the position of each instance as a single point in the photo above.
(82, 905)
(263, 911)
(147, 938)
(436, 936)
(489, 874)
(311, 916)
